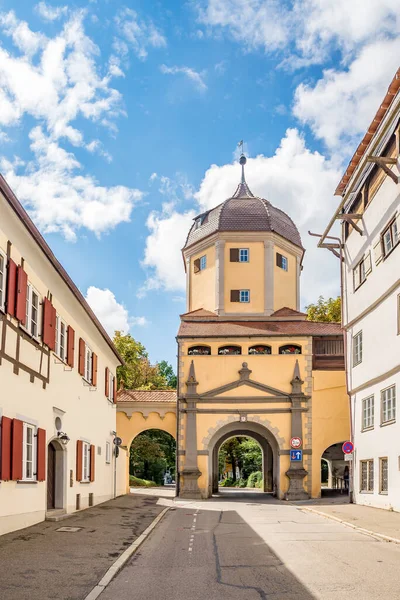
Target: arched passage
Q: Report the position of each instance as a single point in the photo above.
(337, 470)
(56, 475)
(152, 458)
(268, 445)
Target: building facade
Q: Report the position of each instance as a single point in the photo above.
(370, 216)
(249, 363)
(57, 384)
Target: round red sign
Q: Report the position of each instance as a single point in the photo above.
(348, 447)
(296, 442)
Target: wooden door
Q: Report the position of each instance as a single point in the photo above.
(51, 476)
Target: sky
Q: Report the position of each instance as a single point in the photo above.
(119, 122)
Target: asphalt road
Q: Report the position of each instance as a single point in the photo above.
(250, 548)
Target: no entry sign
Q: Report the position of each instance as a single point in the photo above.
(296, 442)
(348, 447)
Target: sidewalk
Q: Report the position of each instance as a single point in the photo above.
(376, 520)
(41, 563)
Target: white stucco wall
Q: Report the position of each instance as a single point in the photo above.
(85, 411)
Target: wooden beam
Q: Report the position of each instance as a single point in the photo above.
(383, 161)
(349, 219)
(349, 216)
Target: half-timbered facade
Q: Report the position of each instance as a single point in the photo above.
(57, 383)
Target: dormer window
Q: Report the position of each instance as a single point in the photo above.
(197, 223)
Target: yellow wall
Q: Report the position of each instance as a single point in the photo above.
(245, 276)
(202, 284)
(285, 289)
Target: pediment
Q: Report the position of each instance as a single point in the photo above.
(244, 387)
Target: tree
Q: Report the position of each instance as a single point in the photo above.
(137, 373)
(327, 311)
(167, 372)
(152, 453)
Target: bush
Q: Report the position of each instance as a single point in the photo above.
(228, 482)
(137, 482)
(242, 483)
(255, 480)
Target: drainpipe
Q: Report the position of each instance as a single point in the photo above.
(337, 239)
(177, 474)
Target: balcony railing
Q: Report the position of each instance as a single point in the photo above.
(328, 354)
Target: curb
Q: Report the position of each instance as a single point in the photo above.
(122, 560)
(374, 534)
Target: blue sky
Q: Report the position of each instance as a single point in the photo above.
(119, 121)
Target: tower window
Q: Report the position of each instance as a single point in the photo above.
(243, 255)
(203, 262)
(240, 295)
(199, 350)
(290, 349)
(200, 264)
(281, 261)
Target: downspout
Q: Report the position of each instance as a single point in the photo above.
(347, 370)
(177, 474)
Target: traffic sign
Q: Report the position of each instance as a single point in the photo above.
(117, 441)
(348, 447)
(296, 455)
(296, 442)
(348, 457)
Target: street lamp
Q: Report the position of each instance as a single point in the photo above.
(64, 439)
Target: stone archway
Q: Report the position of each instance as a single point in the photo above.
(269, 446)
(56, 476)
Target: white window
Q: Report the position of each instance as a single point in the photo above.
(203, 262)
(368, 412)
(32, 311)
(357, 349)
(3, 262)
(61, 338)
(388, 400)
(243, 255)
(362, 270)
(390, 237)
(28, 453)
(85, 461)
(398, 314)
(244, 296)
(108, 453)
(111, 380)
(367, 475)
(383, 476)
(88, 364)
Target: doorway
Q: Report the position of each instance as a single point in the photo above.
(55, 475)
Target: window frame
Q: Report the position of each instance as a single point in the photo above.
(381, 488)
(387, 421)
(203, 262)
(108, 452)
(226, 347)
(359, 274)
(394, 237)
(88, 375)
(111, 379)
(60, 321)
(248, 296)
(203, 346)
(368, 413)
(255, 353)
(3, 280)
(30, 291)
(370, 481)
(85, 462)
(296, 346)
(29, 427)
(282, 262)
(357, 357)
(244, 250)
(398, 314)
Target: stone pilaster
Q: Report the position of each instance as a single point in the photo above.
(190, 473)
(298, 273)
(187, 261)
(296, 472)
(220, 277)
(269, 277)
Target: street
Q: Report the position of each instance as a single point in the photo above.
(249, 546)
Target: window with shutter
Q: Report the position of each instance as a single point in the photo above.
(378, 254)
(32, 311)
(70, 346)
(234, 254)
(94, 369)
(243, 255)
(88, 373)
(244, 296)
(61, 338)
(81, 359)
(41, 455)
(92, 462)
(11, 287)
(235, 295)
(5, 448)
(281, 261)
(196, 265)
(79, 459)
(3, 274)
(22, 307)
(29, 453)
(17, 450)
(49, 324)
(107, 383)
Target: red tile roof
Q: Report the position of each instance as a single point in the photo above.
(377, 120)
(257, 329)
(200, 313)
(168, 396)
(288, 312)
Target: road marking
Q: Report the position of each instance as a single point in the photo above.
(193, 528)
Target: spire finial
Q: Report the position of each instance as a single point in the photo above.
(242, 159)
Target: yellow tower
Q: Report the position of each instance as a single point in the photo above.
(249, 362)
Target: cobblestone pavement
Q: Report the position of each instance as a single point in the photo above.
(41, 563)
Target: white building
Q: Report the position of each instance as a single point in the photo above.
(57, 384)
(370, 215)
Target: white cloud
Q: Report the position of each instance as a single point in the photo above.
(194, 76)
(340, 106)
(137, 34)
(62, 200)
(298, 181)
(50, 13)
(112, 315)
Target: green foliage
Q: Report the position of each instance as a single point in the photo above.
(137, 482)
(242, 483)
(167, 372)
(138, 373)
(327, 311)
(152, 453)
(228, 482)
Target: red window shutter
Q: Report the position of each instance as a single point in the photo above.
(92, 461)
(5, 464)
(107, 383)
(41, 455)
(20, 306)
(17, 440)
(79, 458)
(70, 346)
(94, 369)
(234, 254)
(11, 287)
(115, 390)
(81, 360)
(49, 324)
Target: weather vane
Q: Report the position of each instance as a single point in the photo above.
(240, 145)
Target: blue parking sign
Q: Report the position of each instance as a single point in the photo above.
(296, 455)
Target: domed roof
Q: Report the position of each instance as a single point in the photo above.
(244, 212)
